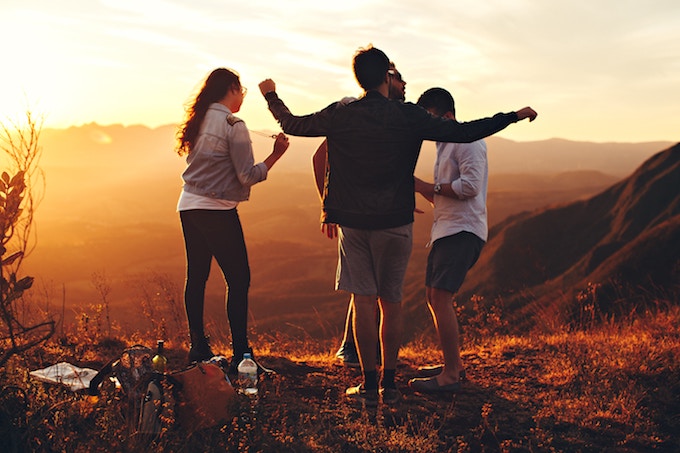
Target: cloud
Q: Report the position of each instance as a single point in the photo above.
(491, 53)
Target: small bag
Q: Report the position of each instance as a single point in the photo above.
(203, 396)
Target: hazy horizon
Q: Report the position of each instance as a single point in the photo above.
(268, 129)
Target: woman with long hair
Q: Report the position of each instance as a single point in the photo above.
(220, 171)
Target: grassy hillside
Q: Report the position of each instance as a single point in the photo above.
(606, 388)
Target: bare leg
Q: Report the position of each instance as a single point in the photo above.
(390, 332)
(444, 317)
(365, 330)
(348, 337)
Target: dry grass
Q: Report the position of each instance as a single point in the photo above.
(606, 388)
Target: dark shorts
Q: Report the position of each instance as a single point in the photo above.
(450, 259)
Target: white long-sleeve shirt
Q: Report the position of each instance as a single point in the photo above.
(465, 167)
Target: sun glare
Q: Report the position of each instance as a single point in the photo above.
(37, 76)
(101, 137)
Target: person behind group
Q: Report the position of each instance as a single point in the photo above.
(373, 146)
(347, 352)
(459, 231)
(220, 171)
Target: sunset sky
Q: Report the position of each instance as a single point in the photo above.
(601, 70)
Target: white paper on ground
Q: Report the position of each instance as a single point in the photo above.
(73, 377)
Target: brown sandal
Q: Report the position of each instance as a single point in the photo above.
(430, 371)
(430, 385)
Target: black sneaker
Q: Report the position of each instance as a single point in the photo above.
(368, 398)
(348, 356)
(200, 350)
(390, 396)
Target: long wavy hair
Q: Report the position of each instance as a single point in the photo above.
(216, 86)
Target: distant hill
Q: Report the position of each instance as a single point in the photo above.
(134, 147)
(559, 155)
(618, 250)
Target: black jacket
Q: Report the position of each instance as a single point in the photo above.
(373, 147)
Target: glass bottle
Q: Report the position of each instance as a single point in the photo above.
(159, 362)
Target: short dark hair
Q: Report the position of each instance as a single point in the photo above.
(370, 66)
(438, 100)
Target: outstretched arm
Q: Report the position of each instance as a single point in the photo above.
(449, 130)
(313, 125)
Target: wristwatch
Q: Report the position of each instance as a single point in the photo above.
(437, 188)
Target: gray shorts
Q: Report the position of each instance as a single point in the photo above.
(450, 259)
(373, 262)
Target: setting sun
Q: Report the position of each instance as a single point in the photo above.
(45, 74)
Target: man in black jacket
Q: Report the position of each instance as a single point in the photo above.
(347, 353)
(373, 147)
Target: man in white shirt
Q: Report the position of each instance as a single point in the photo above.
(459, 232)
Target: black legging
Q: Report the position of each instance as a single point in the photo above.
(209, 233)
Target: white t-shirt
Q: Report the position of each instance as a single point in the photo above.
(188, 200)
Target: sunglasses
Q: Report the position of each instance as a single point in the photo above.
(394, 73)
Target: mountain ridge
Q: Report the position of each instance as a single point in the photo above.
(505, 156)
(550, 257)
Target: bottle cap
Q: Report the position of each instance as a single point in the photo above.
(247, 355)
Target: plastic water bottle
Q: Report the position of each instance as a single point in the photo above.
(247, 375)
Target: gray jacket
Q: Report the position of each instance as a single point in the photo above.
(221, 164)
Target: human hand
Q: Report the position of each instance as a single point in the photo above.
(281, 144)
(526, 112)
(267, 86)
(424, 188)
(330, 230)
(420, 185)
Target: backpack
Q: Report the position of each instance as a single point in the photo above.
(142, 387)
(203, 396)
(200, 395)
